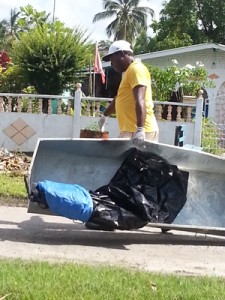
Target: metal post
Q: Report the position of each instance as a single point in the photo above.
(179, 136)
(53, 19)
(198, 119)
(77, 111)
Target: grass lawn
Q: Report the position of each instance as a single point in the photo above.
(12, 190)
(42, 280)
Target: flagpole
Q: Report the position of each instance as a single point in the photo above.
(53, 19)
(90, 87)
(93, 92)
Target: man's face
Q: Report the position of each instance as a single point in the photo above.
(116, 61)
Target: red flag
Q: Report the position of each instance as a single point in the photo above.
(98, 64)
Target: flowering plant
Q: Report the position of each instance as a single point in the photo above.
(188, 80)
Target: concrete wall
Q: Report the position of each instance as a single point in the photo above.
(19, 131)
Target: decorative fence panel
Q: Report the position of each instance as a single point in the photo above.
(26, 117)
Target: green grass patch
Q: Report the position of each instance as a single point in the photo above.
(42, 280)
(12, 190)
(12, 185)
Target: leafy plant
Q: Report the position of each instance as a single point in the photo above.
(29, 18)
(50, 55)
(188, 80)
(93, 126)
(4, 60)
(210, 141)
(11, 81)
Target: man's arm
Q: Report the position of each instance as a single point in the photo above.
(111, 109)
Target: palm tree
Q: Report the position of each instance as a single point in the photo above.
(8, 30)
(12, 23)
(129, 20)
(3, 31)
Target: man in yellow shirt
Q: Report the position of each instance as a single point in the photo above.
(133, 103)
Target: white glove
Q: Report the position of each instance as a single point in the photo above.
(101, 122)
(139, 136)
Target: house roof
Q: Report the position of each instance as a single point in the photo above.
(175, 51)
(192, 48)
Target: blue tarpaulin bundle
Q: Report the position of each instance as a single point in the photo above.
(68, 200)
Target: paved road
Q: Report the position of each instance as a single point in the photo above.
(31, 236)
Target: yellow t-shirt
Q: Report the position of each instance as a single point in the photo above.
(136, 74)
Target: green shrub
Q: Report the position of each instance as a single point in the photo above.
(211, 136)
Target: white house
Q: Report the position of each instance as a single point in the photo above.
(211, 55)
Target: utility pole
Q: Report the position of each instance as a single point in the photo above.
(53, 20)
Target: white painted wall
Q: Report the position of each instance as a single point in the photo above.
(64, 126)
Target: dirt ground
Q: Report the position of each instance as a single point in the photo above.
(39, 237)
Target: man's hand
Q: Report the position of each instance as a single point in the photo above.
(101, 122)
(139, 136)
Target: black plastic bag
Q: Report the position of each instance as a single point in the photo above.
(107, 215)
(146, 186)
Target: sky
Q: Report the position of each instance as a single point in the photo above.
(74, 12)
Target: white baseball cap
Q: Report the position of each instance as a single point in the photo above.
(117, 46)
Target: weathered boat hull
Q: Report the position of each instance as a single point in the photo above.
(92, 163)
